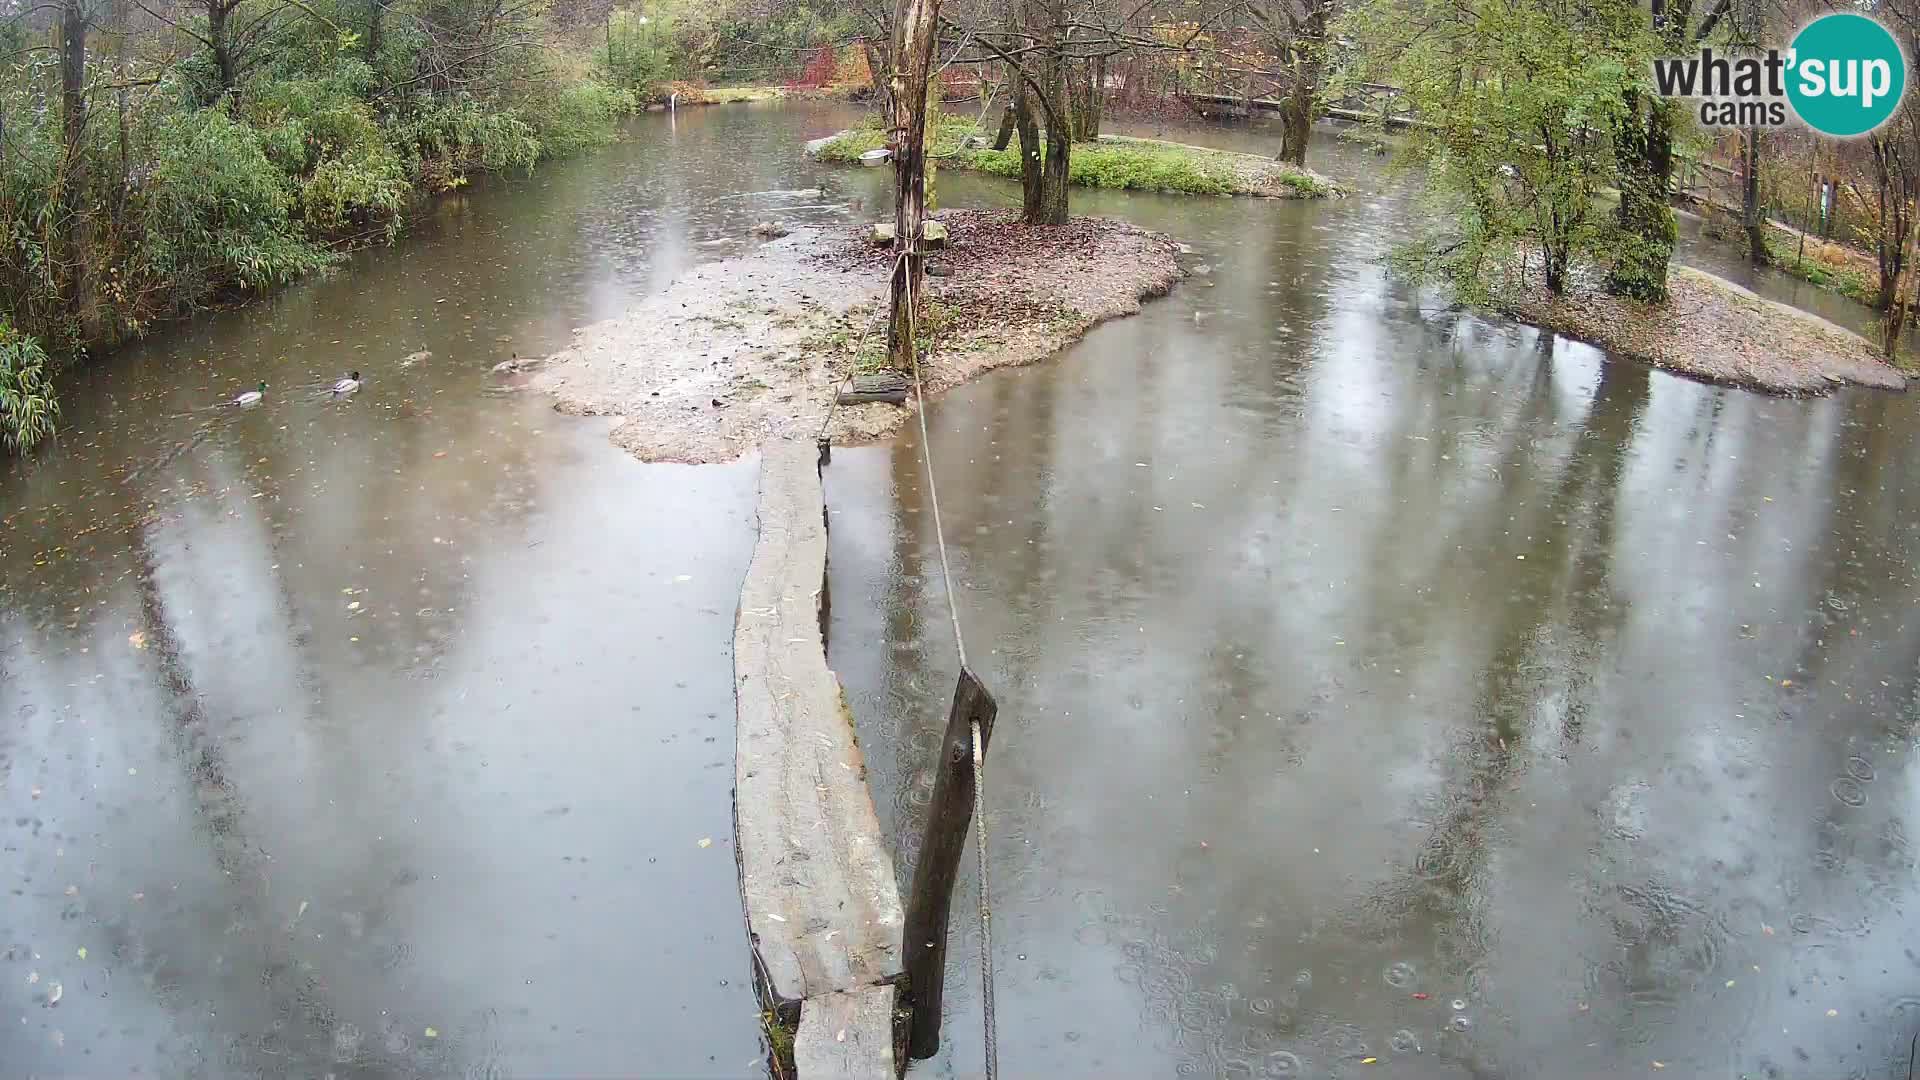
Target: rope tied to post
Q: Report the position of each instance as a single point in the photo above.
(977, 744)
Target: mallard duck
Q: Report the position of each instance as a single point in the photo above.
(347, 385)
(251, 397)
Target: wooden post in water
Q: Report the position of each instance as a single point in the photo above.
(914, 23)
(941, 842)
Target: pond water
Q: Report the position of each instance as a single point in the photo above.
(379, 737)
(1375, 681)
(1382, 683)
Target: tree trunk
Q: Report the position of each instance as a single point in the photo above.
(1086, 85)
(223, 60)
(1045, 22)
(123, 33)
(914, 24)
(376, 21)
(1096, 102)
(1751, 215)
(1005, 135)
(1644, 149)
(1055, 168)
(1308, 51)
(74, 173)
(1029, 129)
(877, 73)
(1896, 306)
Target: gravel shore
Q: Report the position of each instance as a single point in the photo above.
(1714, 330)
(755, 347)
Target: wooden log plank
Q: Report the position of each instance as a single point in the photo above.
(942, 840)
(860, 397)
(823, 907)
(846, 1036)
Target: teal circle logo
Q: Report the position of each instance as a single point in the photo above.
(1846, 75)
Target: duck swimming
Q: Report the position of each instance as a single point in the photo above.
(347, 385)
(251, 397)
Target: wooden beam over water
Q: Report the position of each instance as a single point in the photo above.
(822, 905)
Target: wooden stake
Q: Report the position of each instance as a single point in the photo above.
(941, 843)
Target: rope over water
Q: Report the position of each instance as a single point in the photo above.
(960, 648)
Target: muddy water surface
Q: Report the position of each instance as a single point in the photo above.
(1389, 692)
(379, 737)
(1376, 682)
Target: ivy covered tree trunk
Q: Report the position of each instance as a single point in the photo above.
(1643, 143)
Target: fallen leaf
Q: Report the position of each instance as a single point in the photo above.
(1369, 1061)
(137, 639)
(82, 952)
(432, 1033)
(1833, 1012)
(706, 841)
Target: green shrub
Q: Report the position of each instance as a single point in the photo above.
(217, 211)
(637, 52)
(29, 412)
(449, 139)
(575, 117)
(325, 138)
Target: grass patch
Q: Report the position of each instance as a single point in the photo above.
(1824, 265)
(729, 95)
(1126, 167)
(1116, 164)
(779, 1044)
(1305, 184)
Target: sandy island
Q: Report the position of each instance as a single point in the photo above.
(1713, 330)
(755, 347)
